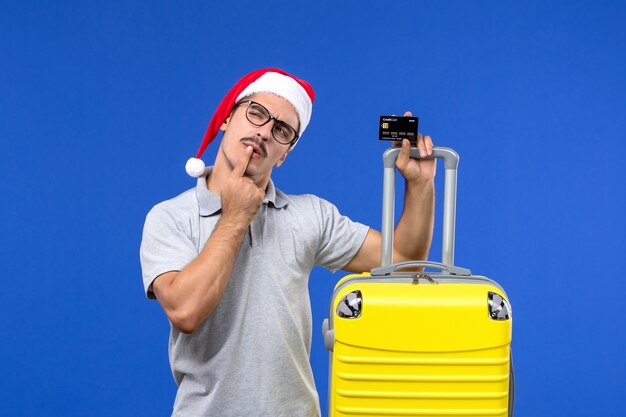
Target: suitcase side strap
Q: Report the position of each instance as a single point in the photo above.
(388, 269)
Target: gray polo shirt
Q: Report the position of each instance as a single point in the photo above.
(251, 356)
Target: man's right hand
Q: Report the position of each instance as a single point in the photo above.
(241, 197)
(191, 295)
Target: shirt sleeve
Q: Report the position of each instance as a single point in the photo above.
(165, 246)
(340, 239)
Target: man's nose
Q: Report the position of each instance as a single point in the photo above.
(265, 131)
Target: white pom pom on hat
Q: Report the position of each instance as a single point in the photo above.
(267, 80)
(195, 167)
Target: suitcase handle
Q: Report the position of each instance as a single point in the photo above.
(451, 163)
(453, 270)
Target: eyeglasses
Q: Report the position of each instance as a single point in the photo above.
(258, 115)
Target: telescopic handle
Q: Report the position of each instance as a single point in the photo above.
(451, 162)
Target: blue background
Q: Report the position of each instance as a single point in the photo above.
(101, 104)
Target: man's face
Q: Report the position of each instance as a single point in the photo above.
(239, 133)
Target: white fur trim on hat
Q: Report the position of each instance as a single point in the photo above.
(287, 88)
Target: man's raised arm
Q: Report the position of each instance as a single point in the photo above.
(414, 231)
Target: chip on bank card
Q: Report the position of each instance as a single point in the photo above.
(397, 128)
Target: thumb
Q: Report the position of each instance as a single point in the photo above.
(403, 157)
(242, 164)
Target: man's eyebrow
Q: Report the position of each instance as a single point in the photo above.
(295, 126)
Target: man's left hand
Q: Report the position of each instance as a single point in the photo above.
(416, 170)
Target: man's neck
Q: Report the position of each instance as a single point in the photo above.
(215, 180)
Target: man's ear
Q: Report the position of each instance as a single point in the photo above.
(282, 159)
(225, 124)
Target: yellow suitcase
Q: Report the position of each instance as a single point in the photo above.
(408, 343)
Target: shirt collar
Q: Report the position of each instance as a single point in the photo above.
(211, 204)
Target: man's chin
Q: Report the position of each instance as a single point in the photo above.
(257, 172)
(252, 170)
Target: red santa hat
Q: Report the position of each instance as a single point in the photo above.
(267, 80)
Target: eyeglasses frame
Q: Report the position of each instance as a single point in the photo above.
(271, 117)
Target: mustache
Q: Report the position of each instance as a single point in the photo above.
(258, 142)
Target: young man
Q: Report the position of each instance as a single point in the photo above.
(229, 260)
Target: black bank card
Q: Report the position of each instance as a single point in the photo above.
(397, 128)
